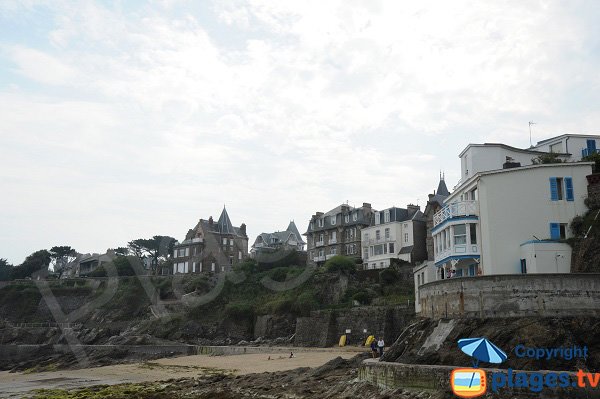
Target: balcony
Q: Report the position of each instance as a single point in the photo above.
(333, 241)
(456, 209)
(319, 243)
(457, 251)
(380, 240)
(327, 257)
(319, 259)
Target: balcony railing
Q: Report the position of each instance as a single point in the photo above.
(333, 241)
(319, 243)
(380, 240)
(456, 209)
(318, 258)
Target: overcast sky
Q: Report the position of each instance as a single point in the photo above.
(121, 120)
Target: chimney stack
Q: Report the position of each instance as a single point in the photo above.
(243, 228)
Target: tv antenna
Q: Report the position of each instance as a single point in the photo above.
(530, 143)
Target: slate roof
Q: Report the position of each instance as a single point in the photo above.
(406, 250)
(224, 224)
(282, 236)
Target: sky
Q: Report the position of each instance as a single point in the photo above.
(128, 119)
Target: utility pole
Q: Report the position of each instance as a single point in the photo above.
(530, 142)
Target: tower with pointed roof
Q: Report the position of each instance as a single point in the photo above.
(211, 247)
(435, 202)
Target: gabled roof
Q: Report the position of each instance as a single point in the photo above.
(224, 224)
(293, 229)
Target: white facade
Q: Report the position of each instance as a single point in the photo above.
(382, 242)
(423, 274)
(576, 145)
(477, 158)
(497, 221)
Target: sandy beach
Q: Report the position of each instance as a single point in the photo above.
(16, 384)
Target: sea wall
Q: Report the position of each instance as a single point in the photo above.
(518, 295)
(324, 328)
(418, 377)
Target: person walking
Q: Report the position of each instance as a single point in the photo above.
(374, 349)
(380, 346)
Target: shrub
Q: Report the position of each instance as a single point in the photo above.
(305, 303)
(341, 264)
(592, 202)
(577, 226)
(546, 159)
(362, 297)
(239, 310)
(279, 274)
(388, 276)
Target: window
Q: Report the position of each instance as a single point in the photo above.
(320, 222)
(200, 266)
(391, 247)
(347, 218)
(378, 234)
(387, 233)
(556, 188)
(377, 218)
(212, 266)
(473, 232)
(355, 216)
(386, 216)
(460, 234)
(366, 252)
(405, 237)
(366, 236)
(224, 241)
(312, 225)
(333, 251)
(569, 189)
(231, 241)
(332, 220)
(418, 280)
(333, 236)
(459, 272)
(381, 265)
(524, 266)
(472, 270)
(378, 249)
(240, 255)
(558, 231)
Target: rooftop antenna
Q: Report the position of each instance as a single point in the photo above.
(530, 143)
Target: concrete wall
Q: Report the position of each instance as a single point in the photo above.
(324, 328)
(418, 377)
(512, 296)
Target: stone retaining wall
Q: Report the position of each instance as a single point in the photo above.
(518, 295)
(417, 377)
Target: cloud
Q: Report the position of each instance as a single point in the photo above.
(166, 110)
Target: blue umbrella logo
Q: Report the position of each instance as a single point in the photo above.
(480, 349)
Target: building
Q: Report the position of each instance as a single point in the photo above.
(426, 271)
(396, 233)
(508, 214)
(88, 263)
(287, 240)
(337, 232)
(211, 247)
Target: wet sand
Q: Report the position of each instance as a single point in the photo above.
(16, 384)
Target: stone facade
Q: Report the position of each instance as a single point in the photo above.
(212, 247)
(324, 328)
(337, 232)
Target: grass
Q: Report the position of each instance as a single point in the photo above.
(122, 391)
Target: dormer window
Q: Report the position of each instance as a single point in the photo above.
(355, 216)
(377, 218)
(347, 218)
(332, 218)
(386, 216)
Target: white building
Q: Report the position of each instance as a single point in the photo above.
(397, 233)
(508, 215)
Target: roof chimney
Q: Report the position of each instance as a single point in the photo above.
(366, 205)
(210, 220)
(243, 228)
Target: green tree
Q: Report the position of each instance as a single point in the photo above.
(595, 157)
(550, 157)
(5, 269)
(36, 262)
(340, 263)
(61, 256)
(156, 248)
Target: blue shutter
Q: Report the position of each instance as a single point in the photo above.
(591, 146)
(553, 189)
(554, 231)
(569, 188)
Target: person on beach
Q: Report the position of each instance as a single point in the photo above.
(380, 345)
(374, 349)
(291, 355)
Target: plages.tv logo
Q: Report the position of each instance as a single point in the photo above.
(470, 382)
